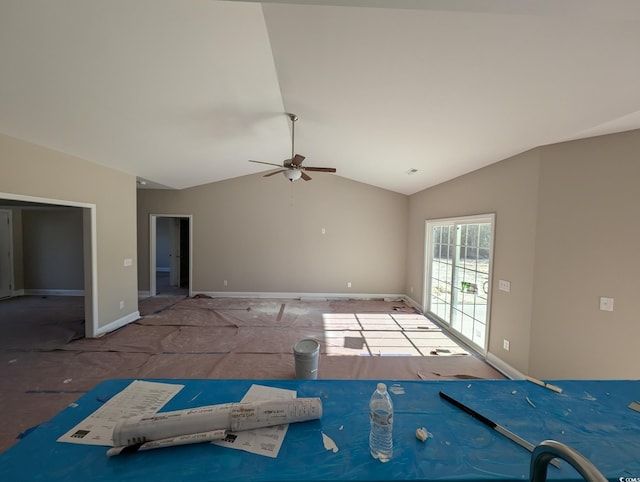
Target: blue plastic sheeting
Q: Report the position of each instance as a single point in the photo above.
(591, 416)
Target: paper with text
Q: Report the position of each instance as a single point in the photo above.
(138, 398)
(262, 441)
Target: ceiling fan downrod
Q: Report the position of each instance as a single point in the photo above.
(293, 118)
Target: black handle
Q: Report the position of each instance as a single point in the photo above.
(470, 411)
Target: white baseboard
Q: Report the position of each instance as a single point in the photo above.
(301, 296)
(411, 302)
(53, 292)
(503, 367)
(16, 293)
(144, 294)
(119, 323)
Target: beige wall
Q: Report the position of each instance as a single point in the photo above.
(264, 235)
(30, 170)
(567, 232)
(587, 246)
(52, 247)
(508, 189)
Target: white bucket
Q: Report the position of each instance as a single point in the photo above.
(306, 354)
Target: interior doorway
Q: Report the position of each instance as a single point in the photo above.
(170, 254)
(88, 255)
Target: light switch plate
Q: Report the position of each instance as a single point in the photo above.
(606, 304)
(504, 285)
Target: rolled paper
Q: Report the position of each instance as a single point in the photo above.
(232, 417)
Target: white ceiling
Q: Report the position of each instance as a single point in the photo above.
(184, 92)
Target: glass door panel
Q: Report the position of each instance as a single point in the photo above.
(459, 278)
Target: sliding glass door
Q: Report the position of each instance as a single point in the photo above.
(458, 259)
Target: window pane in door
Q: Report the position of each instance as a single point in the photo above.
(460, 275)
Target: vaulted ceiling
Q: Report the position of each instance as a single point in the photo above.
(185, 92)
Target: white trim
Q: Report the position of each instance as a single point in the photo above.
(413, 303)
(43, 200)
(17, 293)
(92, 323)
(90, 256)
(119, 323)
(427, 278)
(53, 292)
(302, 296)
(152, 255)
(503, 367)
(12, 280)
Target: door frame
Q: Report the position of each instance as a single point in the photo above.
(426, 285)
(152, 249)
(11, 274)
(90, 254)
(174, 254)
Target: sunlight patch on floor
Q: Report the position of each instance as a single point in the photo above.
(386, 334)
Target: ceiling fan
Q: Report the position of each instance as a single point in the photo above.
(293, 168)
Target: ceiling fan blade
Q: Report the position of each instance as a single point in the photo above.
(274, 172)
(320, 169)
(297, 160)
(267, 163)
(305, 176)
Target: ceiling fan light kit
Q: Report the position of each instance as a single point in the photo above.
(292, 168)
(292, 174)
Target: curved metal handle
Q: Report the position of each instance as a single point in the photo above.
(548, 450)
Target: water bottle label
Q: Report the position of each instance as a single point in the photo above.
(381, 418)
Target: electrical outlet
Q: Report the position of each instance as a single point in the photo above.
(128, 262)
(349, 284)
(323, 231)
(121, 305)
(504, 285)
(505, 344)
(225, 283)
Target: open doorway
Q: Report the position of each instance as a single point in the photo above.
(51, 236)
(170, 254)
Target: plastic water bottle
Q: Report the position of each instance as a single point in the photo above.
(381, 417)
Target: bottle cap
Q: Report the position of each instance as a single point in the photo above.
(382, 387)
